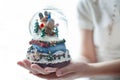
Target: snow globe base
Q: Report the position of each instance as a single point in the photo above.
(55, 65)
(53, 55)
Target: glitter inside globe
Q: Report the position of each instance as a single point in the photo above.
(48, 28)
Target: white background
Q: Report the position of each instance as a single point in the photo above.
(14, 33)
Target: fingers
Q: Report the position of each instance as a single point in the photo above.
(33, 72)
(49, 69)
(37, 68)
(27, 65)
(51, 76)
(22, 64)
(34, 68)
(65, 70)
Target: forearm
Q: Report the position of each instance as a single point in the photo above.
(105, 68)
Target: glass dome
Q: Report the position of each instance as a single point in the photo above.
(48, 24)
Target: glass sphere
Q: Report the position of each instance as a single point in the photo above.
(48, 24)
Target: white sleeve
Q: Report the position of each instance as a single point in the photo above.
(84, 15)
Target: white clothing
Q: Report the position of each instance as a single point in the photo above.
(100, 15)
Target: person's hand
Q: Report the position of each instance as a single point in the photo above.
(70, 72)
(34, 68)
(80, 69)
(53, 76)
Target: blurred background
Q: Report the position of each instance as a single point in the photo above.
(14, 33)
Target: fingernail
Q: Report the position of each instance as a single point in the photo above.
(19, 63)
(47, 70)
(33, 67)
(50, 70)
(59, 73)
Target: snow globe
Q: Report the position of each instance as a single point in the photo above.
(47, 47)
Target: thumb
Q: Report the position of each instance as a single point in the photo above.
(65, 70)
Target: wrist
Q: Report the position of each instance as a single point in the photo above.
(95, 69)
(105, 68)
(87, 70)
(91, 69)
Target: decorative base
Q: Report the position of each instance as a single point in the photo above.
(56, 65)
